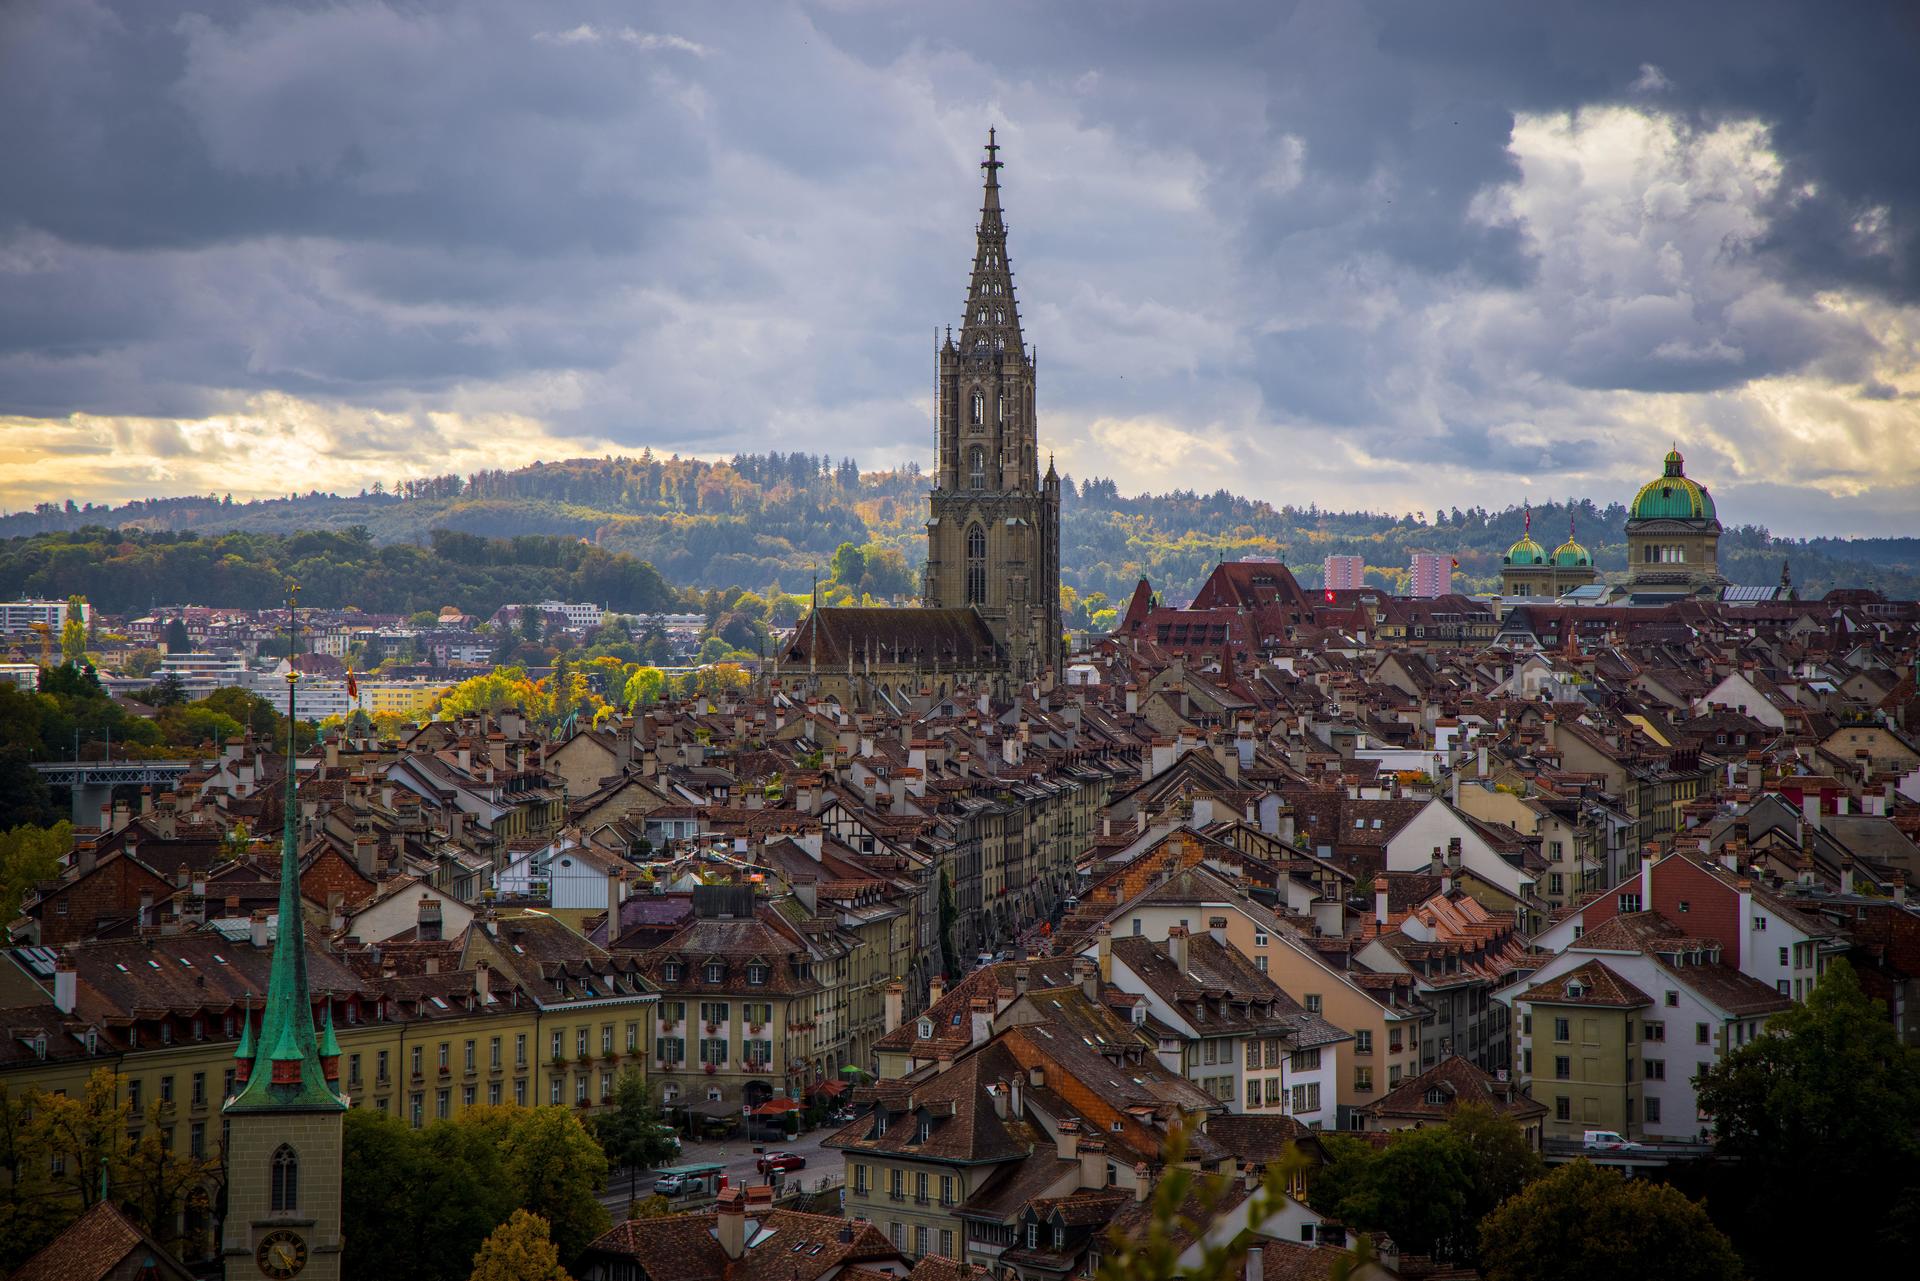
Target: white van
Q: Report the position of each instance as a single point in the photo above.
(1605, 1141)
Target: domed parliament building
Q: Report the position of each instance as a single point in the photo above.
(1673, 546)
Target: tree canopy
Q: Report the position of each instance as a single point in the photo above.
(1585, 1223)
(1821, 1122)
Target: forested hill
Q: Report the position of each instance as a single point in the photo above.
(759, 521)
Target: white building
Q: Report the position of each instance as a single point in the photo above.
(23, 615)
(20, 675)
(201, 673)
(580, 617)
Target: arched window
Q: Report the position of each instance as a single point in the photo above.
(976, 565)
(981, 315)
(977, 469)
(286, 1180)
(999, 317)
(979, 408)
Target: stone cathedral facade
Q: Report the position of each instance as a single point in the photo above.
(991, 588)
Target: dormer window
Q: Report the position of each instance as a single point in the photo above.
(1059, 1236)
(670, 972)
(926, 1029)
(922, 1130)
(757, 974)
(1436, 1096)
(879, 1122)
(716, 972)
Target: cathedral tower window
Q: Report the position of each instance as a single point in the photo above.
(976, 564)
(977, 468)
(979, 408)
(285, 1180)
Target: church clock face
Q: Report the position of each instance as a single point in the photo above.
(281, 1254)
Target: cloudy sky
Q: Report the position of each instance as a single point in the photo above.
(1356, 252)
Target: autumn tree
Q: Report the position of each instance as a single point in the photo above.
(521, 1249)
(1820, 1122)
(154, 1182)
(30, 1213)
(85, 1136)
(1585, 1223)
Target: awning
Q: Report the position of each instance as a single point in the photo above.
(777, 1107)
(827, 1089)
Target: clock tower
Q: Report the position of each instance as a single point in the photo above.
(284, 1119)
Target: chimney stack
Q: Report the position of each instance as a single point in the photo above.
(1086, 971)
(257, 928)
(730, 1223)
(427, 918)
(66, 984)
(1256, 1263)
(896, 997)
(1380, 909)
(1177, 946)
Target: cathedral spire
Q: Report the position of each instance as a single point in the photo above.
(287, 1073)
(990, 325)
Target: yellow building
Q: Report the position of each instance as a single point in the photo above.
(399, 698)
(1577, 1044)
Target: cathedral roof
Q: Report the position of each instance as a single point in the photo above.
(834, 636)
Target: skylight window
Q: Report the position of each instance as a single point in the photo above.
(219, 958)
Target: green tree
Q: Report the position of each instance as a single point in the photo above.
(849, 565)
(28, 856)
(1500, 1160)
(73, 632)
(1585, 1223)
(630, 1132)
(168, 691)
(418, 1203)
(141, 663)
(521, 1249)
(553, 1167)
(177, 641)
(531, 618)
(643, 686)
(1830, 1102)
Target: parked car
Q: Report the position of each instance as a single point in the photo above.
(670, 1184)
(781, 1161)
(1607, 1141)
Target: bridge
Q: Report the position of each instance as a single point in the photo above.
(93, 781)
(1635, 1156)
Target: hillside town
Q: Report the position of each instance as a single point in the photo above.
(1034, 945)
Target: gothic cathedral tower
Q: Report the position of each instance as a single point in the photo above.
(284, 1119)
(993, 538)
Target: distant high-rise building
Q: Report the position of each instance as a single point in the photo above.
(1430, 575)
(1344, 572)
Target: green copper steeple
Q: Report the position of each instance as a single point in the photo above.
(287, 1074)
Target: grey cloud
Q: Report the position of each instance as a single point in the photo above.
(664, 223)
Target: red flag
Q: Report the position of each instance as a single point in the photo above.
(353, 686)
(1456, 562)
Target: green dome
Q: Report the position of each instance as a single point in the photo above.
(1571, 555)
(1673, 496)
(1526, 552)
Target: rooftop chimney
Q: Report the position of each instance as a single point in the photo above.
(427, 917)
(1177, 946)
(730, 1223)
(1087, 972)
(1380, 910)
(257, 928)
(1256, 1263)
(896, 996)
(66, 984)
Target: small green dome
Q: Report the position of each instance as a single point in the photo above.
(1673, 496)
(1571, 555)
(1526, 552)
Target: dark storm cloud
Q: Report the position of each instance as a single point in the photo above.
(707, 227)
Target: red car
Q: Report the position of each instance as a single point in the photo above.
(781, 1161)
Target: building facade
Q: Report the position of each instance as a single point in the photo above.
(1673, 535)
